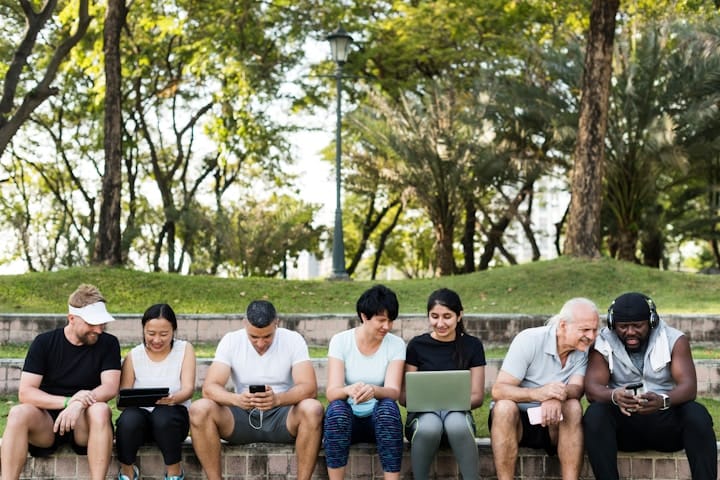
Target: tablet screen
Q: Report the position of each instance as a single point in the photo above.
(141, 397)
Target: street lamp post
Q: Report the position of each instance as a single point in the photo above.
(340, 42)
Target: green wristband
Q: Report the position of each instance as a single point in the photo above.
(67, 401)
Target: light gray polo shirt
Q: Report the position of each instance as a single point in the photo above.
(533, 358)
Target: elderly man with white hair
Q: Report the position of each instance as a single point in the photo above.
(536, 396)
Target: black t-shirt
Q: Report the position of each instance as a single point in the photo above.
(428, 354)
(67, 368)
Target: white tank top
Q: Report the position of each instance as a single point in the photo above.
(165, 373)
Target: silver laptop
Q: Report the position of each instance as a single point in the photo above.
(438, 390)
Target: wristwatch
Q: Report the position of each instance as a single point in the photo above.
(666, 401)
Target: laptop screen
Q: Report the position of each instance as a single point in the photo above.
(438, 390)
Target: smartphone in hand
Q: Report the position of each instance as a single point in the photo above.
(257, 388)
(535, 415)
(637, 388)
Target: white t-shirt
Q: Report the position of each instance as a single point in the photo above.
(165, 373)
(273, 368)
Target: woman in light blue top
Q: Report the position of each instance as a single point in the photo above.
(365, 368)
(160, 361)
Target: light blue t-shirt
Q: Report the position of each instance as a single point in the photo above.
(370, 369)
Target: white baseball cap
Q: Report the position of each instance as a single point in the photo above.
(93, 314)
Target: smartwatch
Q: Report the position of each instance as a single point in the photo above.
(666, 402)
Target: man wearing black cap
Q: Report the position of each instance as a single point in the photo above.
(642, 385)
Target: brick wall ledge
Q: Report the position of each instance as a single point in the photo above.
(708, 374)
(277, 462)
(493, 329)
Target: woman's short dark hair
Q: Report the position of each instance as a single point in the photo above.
(376, 300)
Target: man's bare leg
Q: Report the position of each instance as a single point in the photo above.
(96, 429)
(305, 423)
(571, 445)
(504, 438)
(25, 423)
(208, 423)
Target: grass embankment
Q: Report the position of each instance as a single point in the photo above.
(535, 288)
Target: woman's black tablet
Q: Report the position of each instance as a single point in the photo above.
(141, 397)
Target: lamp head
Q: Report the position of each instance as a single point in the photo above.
(340, 42)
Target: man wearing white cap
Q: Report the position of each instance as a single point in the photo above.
(641, 383)
(69, 375)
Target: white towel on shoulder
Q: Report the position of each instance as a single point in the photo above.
(661, 354)
(604, 347)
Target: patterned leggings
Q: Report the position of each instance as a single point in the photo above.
(383, 427)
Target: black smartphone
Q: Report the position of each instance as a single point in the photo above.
(634, 387)
(257, 388)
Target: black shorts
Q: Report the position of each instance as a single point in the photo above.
(533, 436)
(68, 438)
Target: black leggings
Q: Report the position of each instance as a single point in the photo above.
(687, 426)
(166, 425)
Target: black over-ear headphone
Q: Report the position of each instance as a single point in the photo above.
(654, 317)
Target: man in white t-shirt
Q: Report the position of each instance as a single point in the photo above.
(274, 399)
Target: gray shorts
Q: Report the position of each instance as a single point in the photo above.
(256, 426)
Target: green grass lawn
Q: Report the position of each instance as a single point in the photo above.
(535, 288)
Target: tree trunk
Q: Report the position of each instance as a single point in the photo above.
(497, 229)
(509, 257)
(583, 233)
(653, 248)
(444, 260)
(526, 223)
(382, 241)
(468, 240)
(716, 251)
(559, 229)
(108, 247)
(627, 245)
(171, 246)
(494, 241)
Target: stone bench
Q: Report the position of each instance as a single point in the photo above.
(277, 462)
